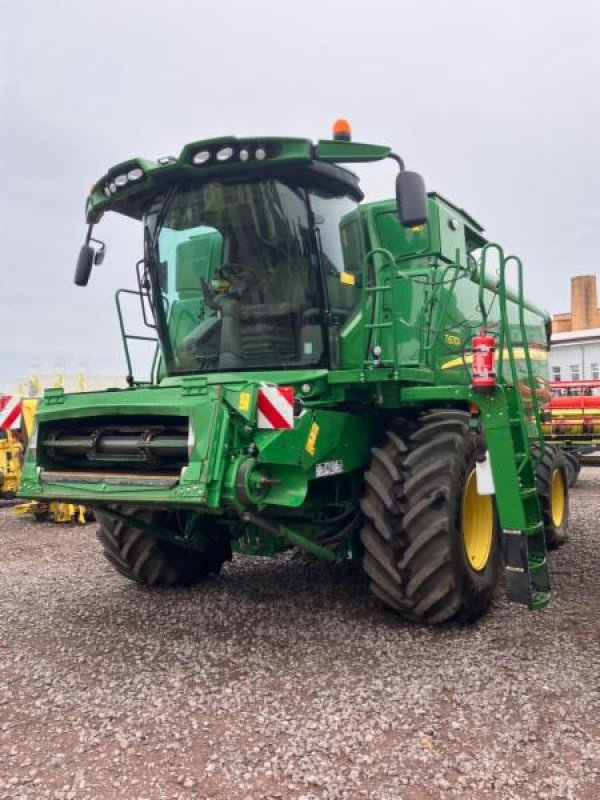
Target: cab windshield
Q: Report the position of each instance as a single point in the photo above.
(236, 266)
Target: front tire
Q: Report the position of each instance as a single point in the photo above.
(144, 558)
(431, 542)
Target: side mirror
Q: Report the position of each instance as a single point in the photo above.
(84, 265)
(411, 199)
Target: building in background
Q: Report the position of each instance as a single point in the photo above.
(575, 346)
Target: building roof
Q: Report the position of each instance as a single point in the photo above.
(566, 337)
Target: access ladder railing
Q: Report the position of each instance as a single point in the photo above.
(379, 281)
(372, 294)
(508, 440)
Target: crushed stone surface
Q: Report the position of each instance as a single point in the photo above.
(285, 679)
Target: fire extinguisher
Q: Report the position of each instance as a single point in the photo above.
(484, 362)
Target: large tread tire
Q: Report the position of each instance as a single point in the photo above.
(146, 559)
(553, 459)
(412, 531)
(573, 467)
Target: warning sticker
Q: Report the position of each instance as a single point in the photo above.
(311, 442)
(244, 401)
(275, 407)
(329, 468)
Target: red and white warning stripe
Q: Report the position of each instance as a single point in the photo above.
(11, 407)
(275, 407)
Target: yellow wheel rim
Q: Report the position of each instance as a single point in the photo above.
(477, 524)
(558, 498)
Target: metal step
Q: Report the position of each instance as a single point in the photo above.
(539, 600)
(527, 576)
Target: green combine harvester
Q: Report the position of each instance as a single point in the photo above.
(324, 379)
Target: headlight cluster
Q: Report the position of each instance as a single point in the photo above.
(135, 174)
(229, 153)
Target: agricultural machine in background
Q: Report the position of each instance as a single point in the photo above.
(572, 421)
(16, 422)
(340, 377)
(11, 446)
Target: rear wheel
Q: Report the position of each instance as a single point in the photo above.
(573, 467)
(431, 541)
(144, 558)
(553, 494)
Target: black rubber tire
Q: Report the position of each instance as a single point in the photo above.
(412, 531)
(573, 467)
(552, 460)
(146, 559)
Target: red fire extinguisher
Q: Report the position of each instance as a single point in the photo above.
(484, 362)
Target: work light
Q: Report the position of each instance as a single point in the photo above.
(224, 154)
(201, 157)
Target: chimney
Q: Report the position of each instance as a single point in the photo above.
(584, 302)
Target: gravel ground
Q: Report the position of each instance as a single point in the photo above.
(284, 679)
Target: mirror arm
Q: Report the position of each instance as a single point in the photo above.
(398, 161)
(100, 251)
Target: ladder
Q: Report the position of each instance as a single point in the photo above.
(372, 299)
(504, 417)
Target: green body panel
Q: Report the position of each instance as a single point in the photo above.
(224, 438)
(420, 295)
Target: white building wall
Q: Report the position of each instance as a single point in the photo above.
(578, 360)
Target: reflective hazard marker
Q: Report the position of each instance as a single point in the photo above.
(275, 407)
(11, 408)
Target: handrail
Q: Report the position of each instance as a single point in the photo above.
(505, 334)
(522, 325)
(501, 291)
(126, 336)
(371, 293)
(428, 344)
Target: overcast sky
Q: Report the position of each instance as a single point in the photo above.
(496, 103)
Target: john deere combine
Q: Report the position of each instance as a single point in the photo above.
(324, 379)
